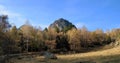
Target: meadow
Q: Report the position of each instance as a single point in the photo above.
(105, 56)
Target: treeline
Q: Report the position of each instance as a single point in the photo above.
(31, 39)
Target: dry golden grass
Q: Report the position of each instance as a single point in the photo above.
(105, 56)
(113, 51)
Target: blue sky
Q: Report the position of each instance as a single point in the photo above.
(94, 14)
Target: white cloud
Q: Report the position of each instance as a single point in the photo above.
(41, 25)
(5, 11)
(79, 25)
(14, 17)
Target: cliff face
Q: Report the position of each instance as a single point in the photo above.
(62, 25)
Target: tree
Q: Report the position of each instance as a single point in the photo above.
(84, 36)
(51, 34)
(49, 38)
(99, 38)
(4, 24)
(2, 40)
(74, 39)
(45, 30)
(15, 37)
(115, 34)
(57, 29)
(62, 43)
(4, 35)
(37, 41)
(69, 27)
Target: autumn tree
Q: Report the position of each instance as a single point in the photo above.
(14, 36)
(62, 42)
(84, 36)
(114, 34)
(4, 36)
(2, 40)
(49, 38)
(74, 39)
(37, 43)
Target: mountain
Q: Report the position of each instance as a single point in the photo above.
(62, 25)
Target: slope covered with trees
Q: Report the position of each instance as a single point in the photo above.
(28, 38)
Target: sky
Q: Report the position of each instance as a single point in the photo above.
(94, 14)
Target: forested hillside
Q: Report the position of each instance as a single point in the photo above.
(58, 38)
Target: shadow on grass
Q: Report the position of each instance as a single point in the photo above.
(95, 59)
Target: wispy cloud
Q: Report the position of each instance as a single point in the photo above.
(14, 17)
(40, 25)
(4, 10)
(79, 25)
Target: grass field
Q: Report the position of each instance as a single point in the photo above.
(105, 56)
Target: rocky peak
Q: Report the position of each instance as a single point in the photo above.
(62, 25)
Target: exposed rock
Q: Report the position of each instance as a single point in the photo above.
(49, 55)
(62, 25)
